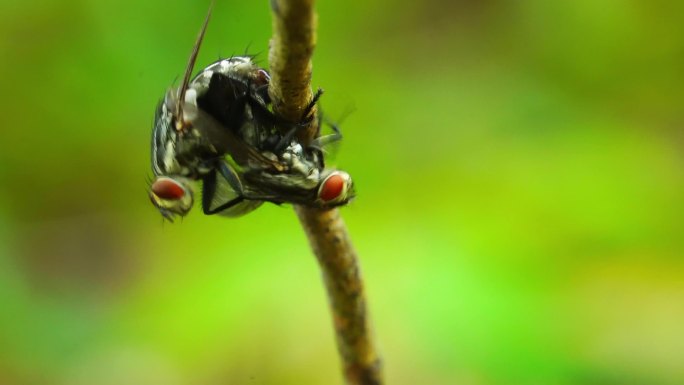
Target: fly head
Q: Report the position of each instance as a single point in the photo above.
(335, 189)
(171, 196)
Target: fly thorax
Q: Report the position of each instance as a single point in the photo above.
(171, 165)
(294, 157)
(190, 154)
(249, 131)
(238, 67)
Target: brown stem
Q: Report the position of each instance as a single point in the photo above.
(338, 260)
(289, 57)
(292, 44)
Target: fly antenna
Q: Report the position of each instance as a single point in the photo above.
(180, 123)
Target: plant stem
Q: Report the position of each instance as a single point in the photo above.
(292, 44)
(338, 260)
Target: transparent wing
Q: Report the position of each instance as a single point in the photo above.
(225, 141)
(224, 194)
(219, 197)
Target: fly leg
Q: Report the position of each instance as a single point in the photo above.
(323, 141)
(312, 104)
(262, 91)
(306, 121)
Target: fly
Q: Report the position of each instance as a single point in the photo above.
(218, 129)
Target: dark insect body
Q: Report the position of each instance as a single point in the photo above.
(218, 129)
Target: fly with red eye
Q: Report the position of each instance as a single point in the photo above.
(218, 129)
(334, 187)
(171, 197)
(168, 189)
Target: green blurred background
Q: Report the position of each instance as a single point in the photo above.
(519, 168)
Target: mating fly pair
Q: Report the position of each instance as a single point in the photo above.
(217, 128)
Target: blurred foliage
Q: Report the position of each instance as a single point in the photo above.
(519, 170)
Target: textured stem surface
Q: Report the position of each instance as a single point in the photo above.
(292, 44)
(289, 57)
(338, 260)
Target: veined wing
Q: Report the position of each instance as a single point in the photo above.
(225, 141)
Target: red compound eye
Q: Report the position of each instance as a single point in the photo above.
(332, 188)
(168, 189)
(262, 78)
